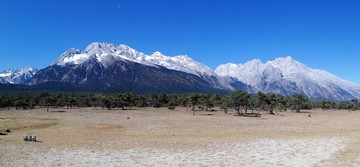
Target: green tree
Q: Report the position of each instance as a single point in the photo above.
(72, 101)
(216, 100)
(131, 98)
(105, 102)
(120, 101)
(183, 100)
(141, 101)
(83, 100)
(272, 102)
(173, 100)
(299, 102)
(345, 105)
(281, 103)
(267, 102)
(47, 100)
(2, 101)
(326, 104)
(193, 100)
(355, 103)
(163, 99)
(239, 99)
(95, 100)
(262, 101)
(225, 103)
(61, 101)
(8, 101)
(153, 100)
(20, 103)
(206, 102)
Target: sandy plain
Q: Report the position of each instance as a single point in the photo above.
(161, 137)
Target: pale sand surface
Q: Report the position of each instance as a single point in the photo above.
(160, 137)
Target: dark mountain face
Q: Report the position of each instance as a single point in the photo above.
(120, 76)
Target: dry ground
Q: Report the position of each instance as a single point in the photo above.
(160, 137)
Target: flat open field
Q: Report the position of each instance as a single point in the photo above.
(160, 137)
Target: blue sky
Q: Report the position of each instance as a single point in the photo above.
(322, 34)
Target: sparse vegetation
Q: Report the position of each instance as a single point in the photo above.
(238, 100)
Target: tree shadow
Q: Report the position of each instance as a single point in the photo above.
(303, 112)
(249, 115)
(207, 114)
(60, 111)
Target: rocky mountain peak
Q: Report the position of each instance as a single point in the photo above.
(98, 47)
(17, 76)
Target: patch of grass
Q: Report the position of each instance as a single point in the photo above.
(16, 124)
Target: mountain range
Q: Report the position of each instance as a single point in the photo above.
(287, 76)
(104, 67)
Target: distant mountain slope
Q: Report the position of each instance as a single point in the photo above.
(17, 76)
(287, 76)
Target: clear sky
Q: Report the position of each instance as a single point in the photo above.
(322, 34)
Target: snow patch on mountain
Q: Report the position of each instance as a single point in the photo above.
(180, 63)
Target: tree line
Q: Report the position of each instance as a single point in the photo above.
(241, 101)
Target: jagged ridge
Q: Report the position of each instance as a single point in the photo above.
(288, 76)
(17, 76)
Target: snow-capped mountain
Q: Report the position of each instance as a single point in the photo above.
(17, 76)
(121, 68)
(287, 76)
(106, 54)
